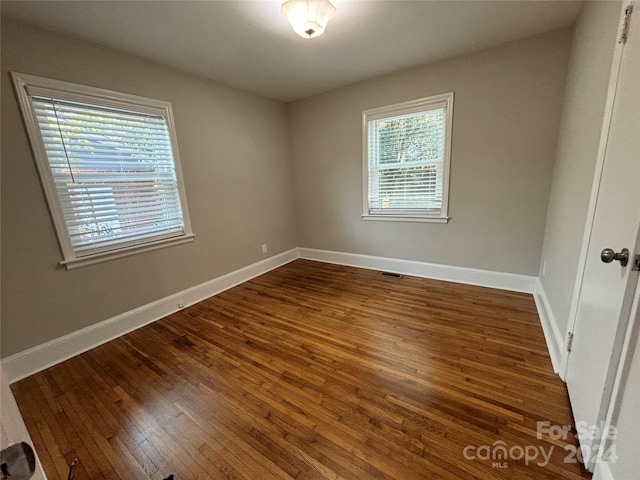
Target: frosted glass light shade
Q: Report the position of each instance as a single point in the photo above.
(308, 18)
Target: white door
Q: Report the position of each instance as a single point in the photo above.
(607, 288)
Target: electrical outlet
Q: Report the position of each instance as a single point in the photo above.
(264, 248)
(180, 304)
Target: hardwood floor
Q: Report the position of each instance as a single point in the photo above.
(312, 371)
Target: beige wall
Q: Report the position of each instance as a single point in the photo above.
(237, 170)
(507, 108)
(586, 90)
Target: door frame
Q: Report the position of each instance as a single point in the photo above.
(595, 187)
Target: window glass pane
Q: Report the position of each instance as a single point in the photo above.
(412, 138)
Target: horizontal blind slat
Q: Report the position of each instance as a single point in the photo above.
(128, 241)
(100, 192)
(84, 238)
(116, 219)
(86, 108)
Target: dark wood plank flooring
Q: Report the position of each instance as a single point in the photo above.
(312, 371)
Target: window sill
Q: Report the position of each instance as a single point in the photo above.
(404, 218)
(125, 252)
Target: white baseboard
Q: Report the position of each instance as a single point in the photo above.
(469, 276)
(40, 357)
(552, 334)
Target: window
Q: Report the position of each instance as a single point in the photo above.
(406, 160)
(109, 166)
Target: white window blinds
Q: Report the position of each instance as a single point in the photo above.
(113, 171)
(407, 159)
(109, 167)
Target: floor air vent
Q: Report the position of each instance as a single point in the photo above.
(391, 274)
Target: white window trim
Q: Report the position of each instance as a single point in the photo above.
(23, 83)
(412, 106)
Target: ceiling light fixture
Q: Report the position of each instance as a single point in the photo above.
(308, 17)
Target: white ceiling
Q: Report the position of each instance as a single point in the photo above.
(247, 44)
